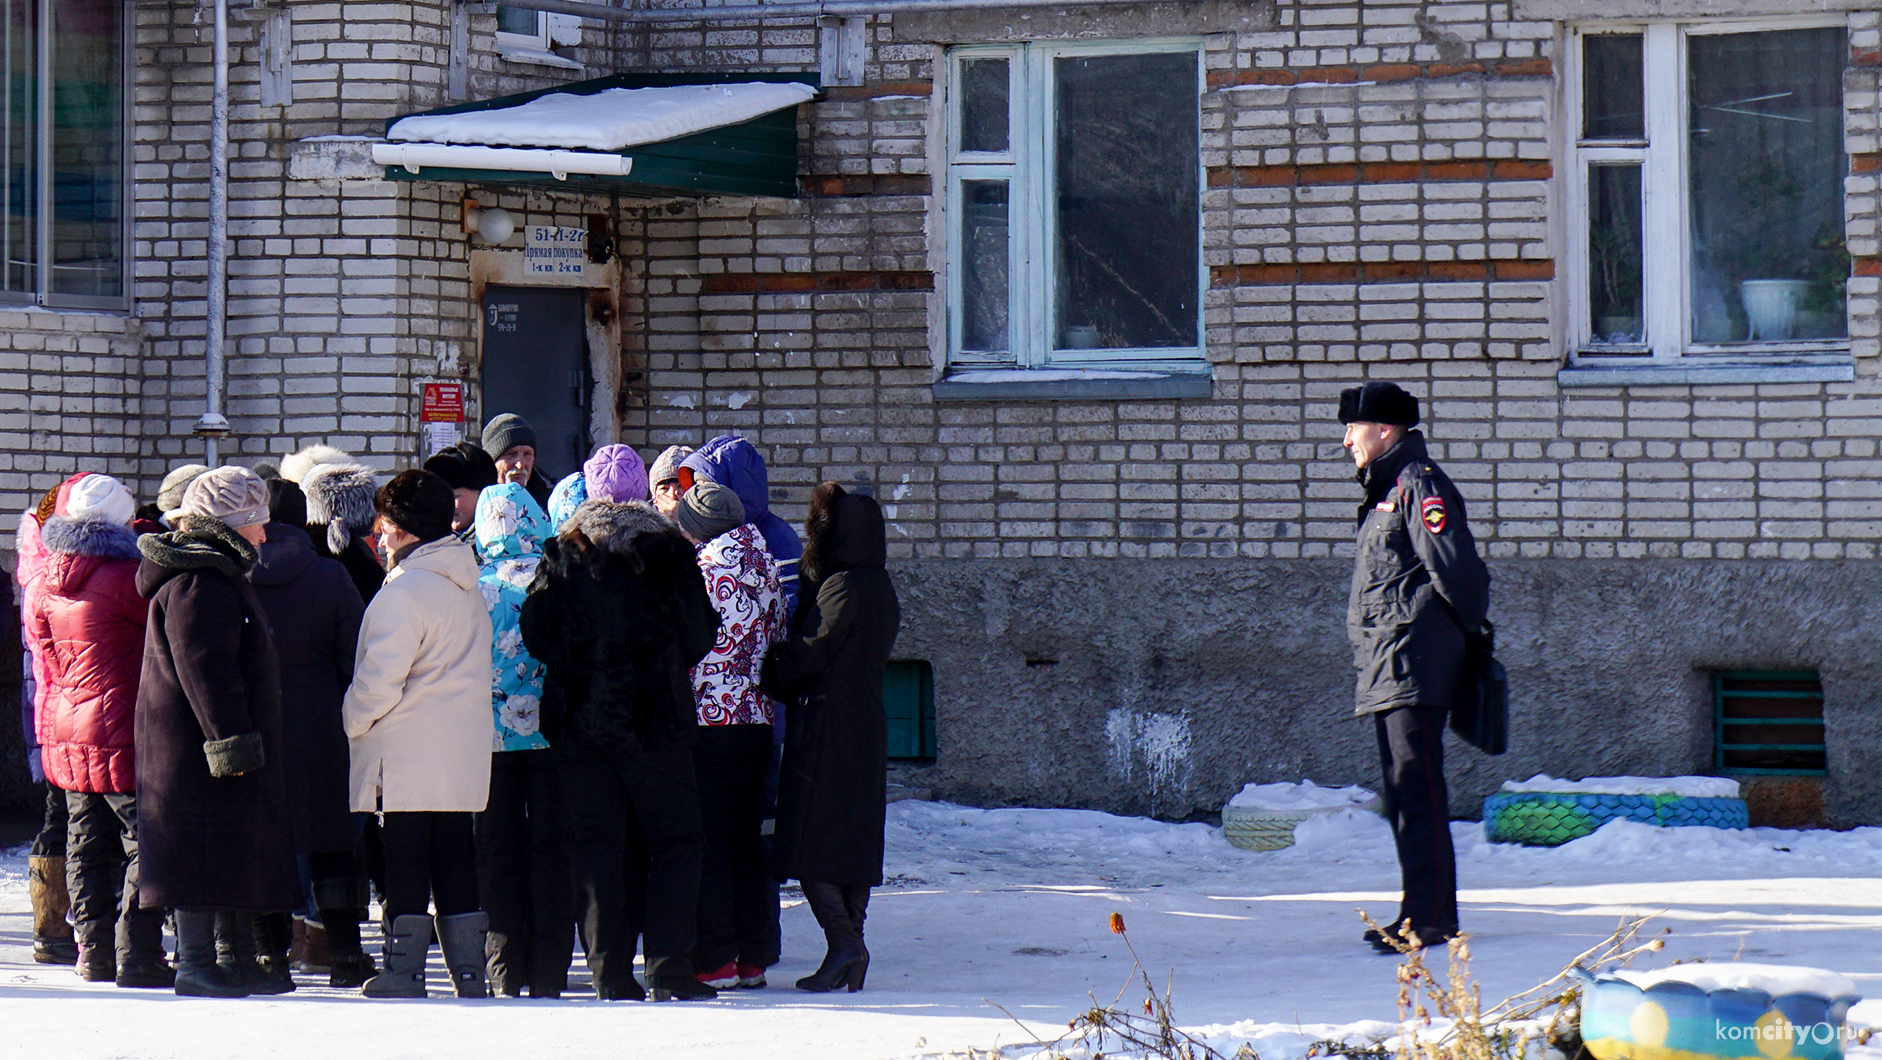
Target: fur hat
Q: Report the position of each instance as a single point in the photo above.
(340, 498)
(616, 473)
(419, 503)
(614, 527)
(1378, 403)
(103, 498)
(234, 496)
(708, 510)
(666, 466)
(507, 431)
(170, 493)
(295, 467)
(286, 503)
(464, 466)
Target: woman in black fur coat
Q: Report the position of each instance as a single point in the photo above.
(619, 615)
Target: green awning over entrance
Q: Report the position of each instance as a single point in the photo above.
(753, 156)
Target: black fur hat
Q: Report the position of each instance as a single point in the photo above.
(419, 503)
(1378, 403)
(464, 466)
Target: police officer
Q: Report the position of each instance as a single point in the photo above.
(1418, 584)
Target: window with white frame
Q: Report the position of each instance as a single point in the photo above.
(527, 33)
(64, 138)
(1708, 189)
(1073, 197)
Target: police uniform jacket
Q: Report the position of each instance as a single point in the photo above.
(1418, 583)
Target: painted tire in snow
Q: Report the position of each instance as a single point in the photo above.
(1254, 829)
(1547, 819)
(1679, 1021)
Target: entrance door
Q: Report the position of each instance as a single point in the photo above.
(535, 364)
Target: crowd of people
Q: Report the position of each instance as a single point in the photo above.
(523, 713)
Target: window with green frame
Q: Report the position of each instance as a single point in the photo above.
(1768, 722)
(1074, 188)
(908, 707)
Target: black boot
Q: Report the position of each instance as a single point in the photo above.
(407, 943)
(461, 937)
(548, 965)
(847, 961)
(351, 966)
(235, 952)
(197, 973)
(274, 937)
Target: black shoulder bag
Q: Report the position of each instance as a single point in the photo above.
(1480, 714)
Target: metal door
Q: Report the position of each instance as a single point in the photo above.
(535, 364)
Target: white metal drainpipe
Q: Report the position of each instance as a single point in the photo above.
(214, 425)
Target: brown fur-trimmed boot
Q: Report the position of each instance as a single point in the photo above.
(52, 934)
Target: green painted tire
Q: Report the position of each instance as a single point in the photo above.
(1548, 819)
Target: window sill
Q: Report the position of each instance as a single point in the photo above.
(1057, 384)
(536, 57)
(1832, 370)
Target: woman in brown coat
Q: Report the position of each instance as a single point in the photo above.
(828, 672)
(212, 795)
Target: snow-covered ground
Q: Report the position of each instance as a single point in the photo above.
(1010, 907)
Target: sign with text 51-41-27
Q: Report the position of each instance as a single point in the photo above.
(550, 250)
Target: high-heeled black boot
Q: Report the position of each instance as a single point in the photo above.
(846, 961)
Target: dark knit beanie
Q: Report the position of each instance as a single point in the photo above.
(286, 503)
(1378, 403)
(464, 466)
(708, 510)
(419, 503)
(506, 432)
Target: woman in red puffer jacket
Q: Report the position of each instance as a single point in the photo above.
(86, 623)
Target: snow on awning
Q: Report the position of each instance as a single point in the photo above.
(652, 134)
(609, 120)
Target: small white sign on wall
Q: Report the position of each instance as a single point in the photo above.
(549, 250)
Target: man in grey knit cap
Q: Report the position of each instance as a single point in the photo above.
(708, 510)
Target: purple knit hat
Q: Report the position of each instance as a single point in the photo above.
(615, 473)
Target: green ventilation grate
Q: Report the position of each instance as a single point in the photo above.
(908, 704)
(1768, 722)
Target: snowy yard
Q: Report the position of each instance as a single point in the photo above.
(1009, 906)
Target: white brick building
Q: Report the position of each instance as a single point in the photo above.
(1118, 506)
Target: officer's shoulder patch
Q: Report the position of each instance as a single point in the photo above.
(1432, 512)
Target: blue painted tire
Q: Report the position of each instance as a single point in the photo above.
(1547, 819)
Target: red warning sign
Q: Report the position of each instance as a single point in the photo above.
(443, 403)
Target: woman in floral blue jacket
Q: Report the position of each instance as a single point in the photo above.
(522, 837)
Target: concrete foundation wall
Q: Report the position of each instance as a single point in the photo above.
(1162, 687)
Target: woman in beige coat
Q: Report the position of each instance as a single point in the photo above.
(418, 718)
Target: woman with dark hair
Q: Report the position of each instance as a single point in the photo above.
(828, 672)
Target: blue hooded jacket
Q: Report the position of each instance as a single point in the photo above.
(734, 463)
(567, 496)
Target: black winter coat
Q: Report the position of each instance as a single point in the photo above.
(1417, 583)
(831, 784)
(361, 562)
(209, 687)
(314, 612)
(618, 625)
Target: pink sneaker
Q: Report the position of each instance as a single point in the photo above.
(751, 977)
(720, 978)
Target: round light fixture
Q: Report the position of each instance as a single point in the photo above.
(493, 224)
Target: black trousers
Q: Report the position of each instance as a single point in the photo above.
(1418, 806)
(429, 861)
(617, 798)
(524, 874)
(738, 903)
(50, 842)
(101, 875)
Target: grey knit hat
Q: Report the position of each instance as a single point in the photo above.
(506, 432)
(708, 510)
(666, 466)
(170, 493)
(235, 495)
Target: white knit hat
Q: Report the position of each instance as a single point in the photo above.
(102, 498)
